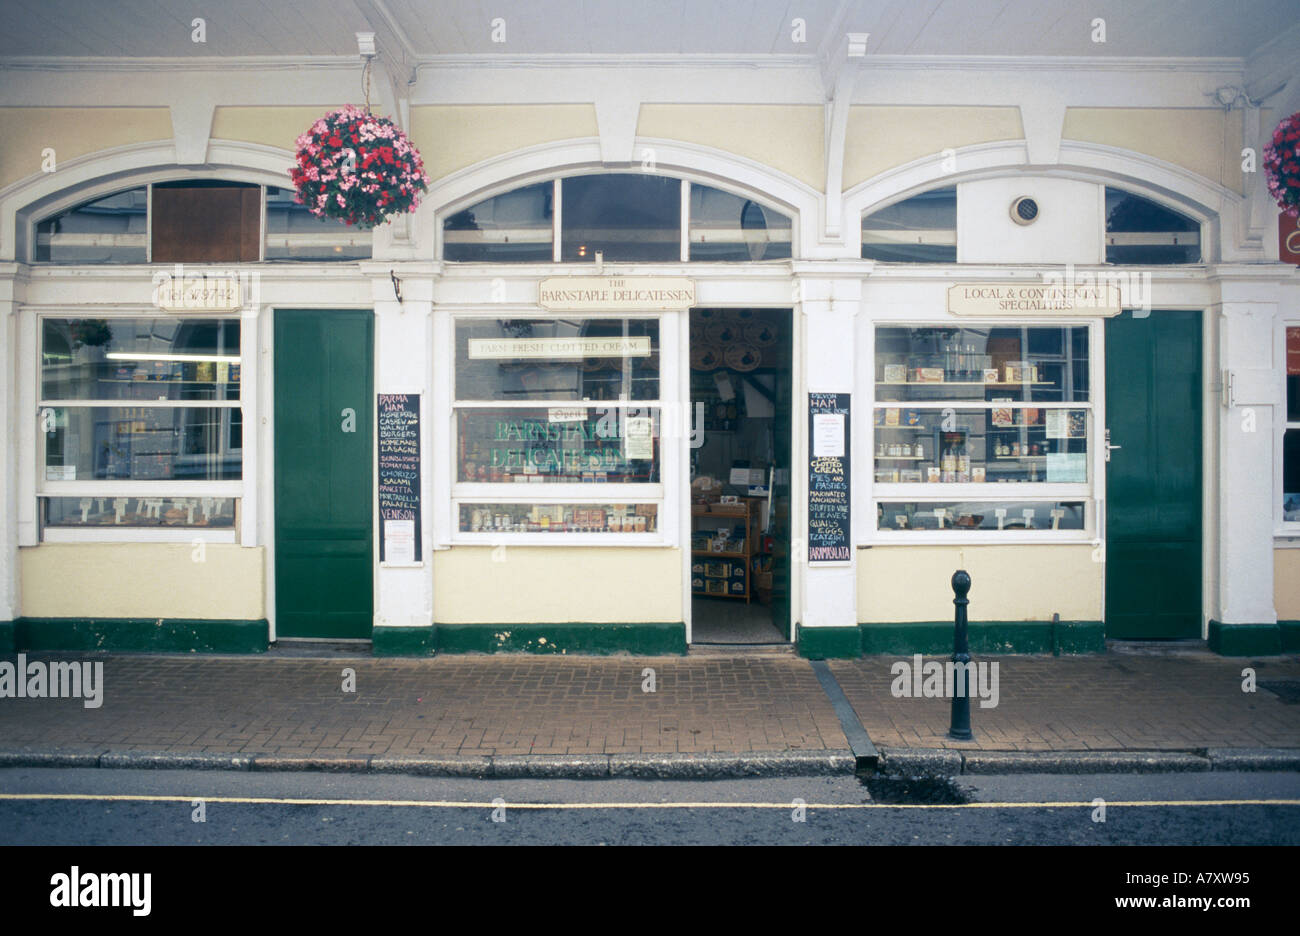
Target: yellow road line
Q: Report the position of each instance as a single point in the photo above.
(459, 804)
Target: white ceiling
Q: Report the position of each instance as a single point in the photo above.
(431, 28)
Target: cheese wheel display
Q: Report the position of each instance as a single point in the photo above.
(743, 357)
(761, 334)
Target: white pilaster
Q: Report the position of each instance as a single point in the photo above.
(10, 295)
(829, 309)
(403, 358)
(1244, 313)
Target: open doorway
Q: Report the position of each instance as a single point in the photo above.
(741, 386)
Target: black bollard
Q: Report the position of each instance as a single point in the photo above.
(959, 730)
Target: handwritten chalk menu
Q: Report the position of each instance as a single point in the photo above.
(399, 477)
(828, 478)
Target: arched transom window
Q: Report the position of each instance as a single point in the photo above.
(620, 216)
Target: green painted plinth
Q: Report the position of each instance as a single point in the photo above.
(144, 635)
(829, 643)
(403, 641)
(1248, 639)
(643, 639)
(989, 637)
(1290, 636)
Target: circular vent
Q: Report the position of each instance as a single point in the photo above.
(1024, 210)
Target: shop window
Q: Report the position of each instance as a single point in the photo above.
(114, 229)
(516, 227)
(1139, 231)
(981, 515)
(294, 233)
(920, 229)
(553, 403)
(186, 513)
(148, 401)
(960, 407)
(1291, 434)
(624, 216)
(557, 359)
(726, 227)
(559, 518)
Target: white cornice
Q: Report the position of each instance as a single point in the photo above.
(654, 60)
(194, 64)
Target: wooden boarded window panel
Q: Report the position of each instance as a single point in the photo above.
(206, 223)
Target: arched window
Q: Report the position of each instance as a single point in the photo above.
(920, 229)
(195, 220)
(628, 217)
(113, 229)
(1140, 231)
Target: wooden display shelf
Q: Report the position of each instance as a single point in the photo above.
(744, 510)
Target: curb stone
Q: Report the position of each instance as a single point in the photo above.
(324, 764)
(918, 762)
(454, 765)
(716, 766)
(1254, 758)
(557, 766)
(47, 759)
(1082, 762)
(146, 760)
(893, 762)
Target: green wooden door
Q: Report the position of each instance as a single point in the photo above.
(1153, 480)
(324, 504)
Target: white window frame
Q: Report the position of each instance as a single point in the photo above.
(686, 236)
(344, 237)
(663, 493)
(166, 489)
(1090, 492)
(1289, 530)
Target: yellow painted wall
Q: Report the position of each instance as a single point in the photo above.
(1206, 140)
(72, 132)
(1286, 583)
(143, 580)
(1008, 583)
(880, 138)
(555, 585)
(272, 126)
(451, 137)
(786, 137)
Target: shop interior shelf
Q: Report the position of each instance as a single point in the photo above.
(963, 383)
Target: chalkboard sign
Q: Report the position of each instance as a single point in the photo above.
(399, 477)
(829, 476)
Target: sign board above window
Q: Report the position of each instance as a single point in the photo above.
(615, 293)
(1038, 300)
(558, 348)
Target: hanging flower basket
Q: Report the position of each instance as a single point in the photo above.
(1282, 165)
(358, 168)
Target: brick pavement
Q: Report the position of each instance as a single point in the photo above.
(451, 705)
(1141, 701)
(515, 704)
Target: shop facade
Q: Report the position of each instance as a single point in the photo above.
(1047, 336)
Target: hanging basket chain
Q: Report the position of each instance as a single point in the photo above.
(365, 79)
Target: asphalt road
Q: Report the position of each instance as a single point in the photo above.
(130, 807)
